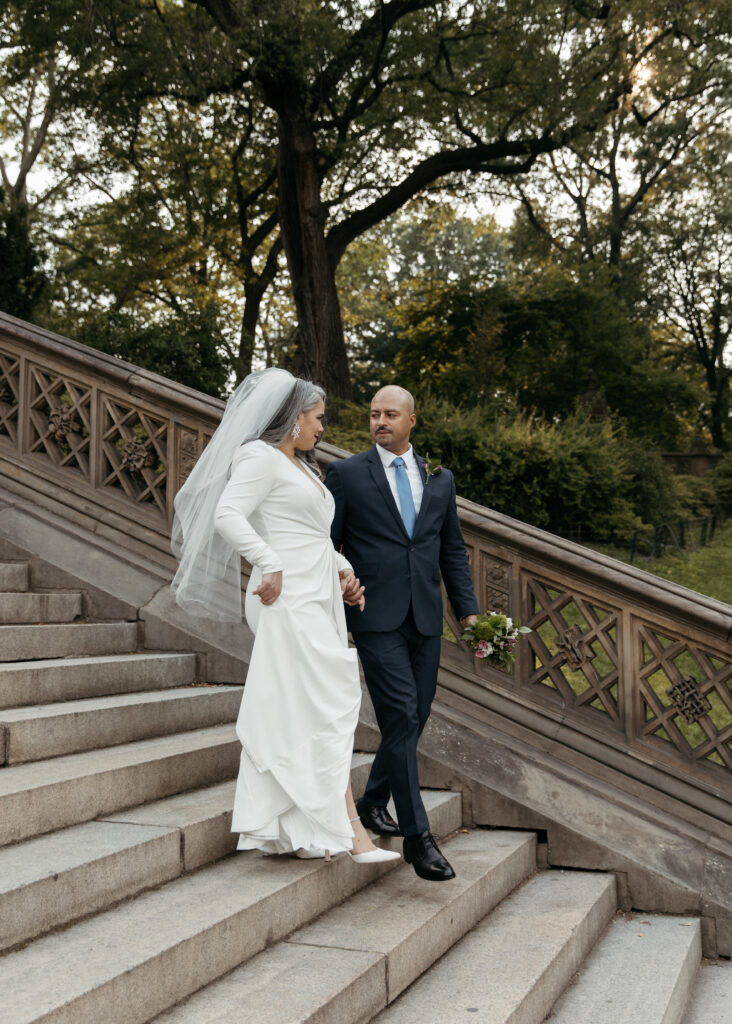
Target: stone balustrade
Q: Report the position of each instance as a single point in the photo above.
(625, 674)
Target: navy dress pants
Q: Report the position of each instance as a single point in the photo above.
(400, 668)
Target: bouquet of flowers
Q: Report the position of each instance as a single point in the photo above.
(493, 638)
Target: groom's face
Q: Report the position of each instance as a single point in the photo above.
(391, 420)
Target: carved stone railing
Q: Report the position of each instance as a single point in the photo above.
(105, 439)
(622, 666)
(628, 672)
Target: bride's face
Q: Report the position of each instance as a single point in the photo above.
(311, 427)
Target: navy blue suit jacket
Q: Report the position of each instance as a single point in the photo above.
(395, 569)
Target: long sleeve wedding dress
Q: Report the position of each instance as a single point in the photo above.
(302, 695)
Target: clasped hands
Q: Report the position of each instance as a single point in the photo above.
(351, 589)
(271, 587)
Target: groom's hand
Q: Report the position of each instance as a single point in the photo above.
(468, 620)
(270, 588)
(351, 589)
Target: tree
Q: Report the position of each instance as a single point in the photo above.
(588, 201)
(175, 236)
(689, 281)
(387, 276)
(549, 347)
(22, 280)
(184, 345)
(31, 123)
(432, 90)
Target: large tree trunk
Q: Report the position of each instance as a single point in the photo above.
(321, 346)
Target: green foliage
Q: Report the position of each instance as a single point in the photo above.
(570, 477)
(188, 348)
(695, 496)
(411, 280)
(721, 479)
(552, 345)
(21, 277)
(707, 570)
(578, 477)
(347, 426)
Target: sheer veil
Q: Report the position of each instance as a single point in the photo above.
(208, 580)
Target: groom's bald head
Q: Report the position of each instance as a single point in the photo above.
(392, 418)
(395, 393)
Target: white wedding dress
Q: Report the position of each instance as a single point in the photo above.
(302, 695)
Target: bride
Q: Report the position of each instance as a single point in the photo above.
(256, 492)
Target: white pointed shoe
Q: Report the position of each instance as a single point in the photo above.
(377, 856)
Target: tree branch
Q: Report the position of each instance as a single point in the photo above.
(488, 158)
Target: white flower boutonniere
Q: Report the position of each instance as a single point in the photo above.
(431, 467)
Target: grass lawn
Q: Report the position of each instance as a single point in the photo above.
(708, 570)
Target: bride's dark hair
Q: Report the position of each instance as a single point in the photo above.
(304, 396)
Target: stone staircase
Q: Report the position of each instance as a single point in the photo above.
(121, 904)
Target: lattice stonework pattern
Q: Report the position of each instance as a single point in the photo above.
(135, 454)
(496, 581)
(687, 696)
(574, 648)
(9, 391)
(60, 420)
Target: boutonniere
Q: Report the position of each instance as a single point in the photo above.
(431, 467)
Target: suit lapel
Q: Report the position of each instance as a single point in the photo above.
(426, 493)
(379, 476)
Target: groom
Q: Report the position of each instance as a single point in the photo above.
(399, 529)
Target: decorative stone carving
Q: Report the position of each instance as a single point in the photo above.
(496, 583)
(136, 455)
(187, 454)
(61, 423)
(688, 699)
(496, 600)
(575, 648)
(496, 574)
(6, 394)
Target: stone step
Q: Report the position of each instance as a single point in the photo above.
(642, 969)
(52, 730)
(137, 960)
(46, 795)
(37, 608)
(512, 967)
(14, 576)
(66, 875)
(61, 679)
(25, 643)
(711, 997)
(346, 966)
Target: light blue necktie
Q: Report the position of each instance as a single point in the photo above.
(404, 490)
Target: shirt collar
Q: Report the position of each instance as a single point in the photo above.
(387, 457)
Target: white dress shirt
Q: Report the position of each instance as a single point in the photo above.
(413, 472)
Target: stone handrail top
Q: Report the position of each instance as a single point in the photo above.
(136, 380)
(642, 587)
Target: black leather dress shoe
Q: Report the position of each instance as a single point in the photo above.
(424, 855)
(378, 820)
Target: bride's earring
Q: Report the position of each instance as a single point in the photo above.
(296, 430)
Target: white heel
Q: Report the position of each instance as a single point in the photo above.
(377, 856)
(314, 853)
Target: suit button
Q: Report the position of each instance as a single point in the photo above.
(411, 547)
